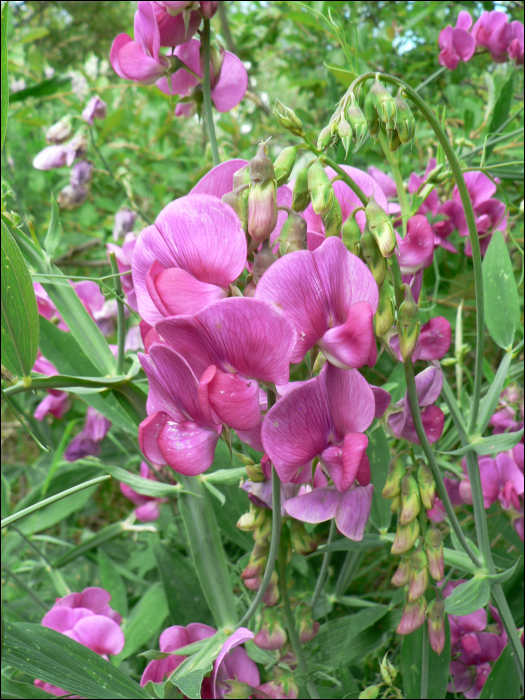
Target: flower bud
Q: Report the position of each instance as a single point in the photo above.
(262, 198)
(308, 629)
(287, 118)
(410, 500)
(249, 287)
(396, 472)
(59, 132)
(434, 550)
(284, 163)
(272, 592)
(235, 690)
(373, 258)
(436, 175)
(325, 138)
(406, 124)
(427, 485)
(238, 201)
(403, 571)
(241, 177)
(413, 616)
(388, 671)
(302, 542)
(81, 173)
(208, 9)
(419, 576)
(408, 325)
(383, 102)
(254, 473)
(436, 625)
(253, 584)
(351, 235)
(371, 116)
(393, 137)
(263, 260)
(333, 220)
(320, 188)
(71, 197)
(293, 233)
(385, 315)
(357, 121)
(396, 503)
(77, 147)
(271, 636)
(371, 692)
(301, 195)
(380, 227)
(406, 536)
(252, 520)
(344, 131)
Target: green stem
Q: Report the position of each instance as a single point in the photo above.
(61, 381)
(324, 568)
(424, 665)
(509, 626)
(121, 318)
(431, 78)
(274, 548)
(290, 625)
(206, 91)
(393, 162)
(450, 400)
(23, 585)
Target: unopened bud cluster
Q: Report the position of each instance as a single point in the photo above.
(422, 552)
(388, 676)
(259, 521)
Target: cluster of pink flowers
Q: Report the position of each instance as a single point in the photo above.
(180, 70)
(88, 619)
(492, 32)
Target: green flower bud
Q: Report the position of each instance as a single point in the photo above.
(388, 671)
(410, 500)
(427, 485)
(284, 163)
(370, 693)
(436, 625)
(301, 195)
(408, 325)
(373, 258)
(255, 473)
(242, 177)
(272, 592)
(396, 472)
(385, 314)
(293, 233)
(403, 571)
(239, 203)
(302, 542)
(357, 121)
(406, 124)
(344, 131)
(320, 188)
(252, 520)
(351, 235)
(396, 504)
(325, 138)
(434, 550)
(383, 102)
(371, 116)
(436, 175)
(394, 143)
(418, 577)
(333, 220)
(287, 118)
(406, 536)
(236, 690)
(380, 227)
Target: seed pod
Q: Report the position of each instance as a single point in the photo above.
(410, 500)
(284, 163)
(383, 102)
(408, 325)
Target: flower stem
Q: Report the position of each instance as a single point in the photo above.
(206, 90)
(290, 625)
(324, 568)
(121, 318)
(398, 179)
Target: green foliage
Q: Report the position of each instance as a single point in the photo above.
(412, 667)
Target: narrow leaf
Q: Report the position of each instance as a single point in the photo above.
(501, 110)
(503, 681)
(489, 403)
(146, 487)
(54, 231)
(502, 306)
(105, 535)
(345, 77)
(42, 89)
(345, 545)
(4, 78)
(411, 665)
(491, 444)
(111, 580)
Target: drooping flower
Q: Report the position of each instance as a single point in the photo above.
(456, 43)
(178, 267)
(148, 507)
(330, 297)
(428, 386)
(87, 442)
(96, 108)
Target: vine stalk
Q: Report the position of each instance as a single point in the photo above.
(206, 90)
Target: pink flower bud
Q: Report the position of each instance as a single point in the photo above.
(402, 575)
(410, 500)
(418, 576)
(406, 536)
(436, 625)
(208, 9)
(413, 616)
(434, 550)
(271, 637)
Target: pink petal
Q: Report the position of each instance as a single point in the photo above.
(433, 420)
(351, 401)
(136, 65)
(219, 180)
(297, 428)
(252, 437)
(173, 30)
(429, 383)
(132, 495)
(464, 44)
(343, 464)
(146, 29)
(350, 344)
(235, 400)
(464, 20)
(510, 472)
(314, 507)
(445, 38)
(480, 187)
(54, 405)
(157, 671)
(182, 82)
(187, 447)
(149, 431)
(474, 622)
(174, 638)
(197, 631)
(448, 57)
(62, 618)
(95, 598)
(238, 665)
(148, 512)
(175, 291)
(119, 42)
(353, 511)
(416, 250)
(385, 182)
(232, 84)
(382, 401)
(434, 339)
(100, 634)
(238, 637)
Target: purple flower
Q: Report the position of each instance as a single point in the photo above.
(330, 297)
(96, 108)
(456, 43)
(71, 197)
(124, 256)
(148, 507)
(124, 223)
(507, 416)
(87, 442)
(501, 479)
(179, 268)
(502, 38)
(416, 250)
(428, 386)
(56, 403)
(81, 173)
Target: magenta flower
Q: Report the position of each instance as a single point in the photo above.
(87, 442)
(502, 38)
(348, 201)
(501, 479)
(433, 342)
(431, 202)
(96, 108)
(124, 256)
(179, 268)
(330, 297)
(324, 417)
(456, 43)
(56, 403)
(416, 250)
(228, 345)
(388, 186)
(428, 385)
(228, 80)
(148, 507)
(516, 47)
(507, 417)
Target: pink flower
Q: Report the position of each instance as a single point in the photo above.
(433, 342)
(233, 663)
(501, 479)
(428, 386)
(324, 417)
(416, 250)
(228, 79)
(148, 507)
(87, 442)
(124, 256)
(501, 38)
(456, 43)
(388, 186)
(96, 108)
(509, 411)
(179, 268)
(330, 297)
(516, 46)
(56, 403)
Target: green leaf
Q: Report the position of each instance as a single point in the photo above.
(504, 575)
(4, 77)
(186, 602)
(42, 89)
(411, 663)
(345, 545)
(54, 658)
(145, 621)
(468, 596)
(502, 306)
(188, 676)
(111, 580)
(146, 487)
(226, 477)
(489, 403)
(54, 231)
(23, 691)
(105, 535)
(19, 310)
(379, 455)
(503, 681)
(491, 444)
(345, 77)
(501, 110)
